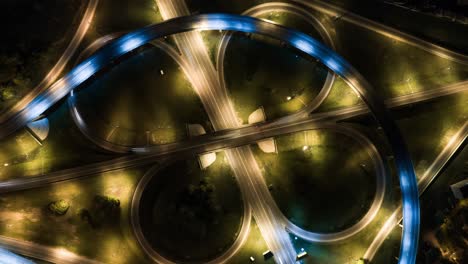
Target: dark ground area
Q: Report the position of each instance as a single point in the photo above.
(34, 35)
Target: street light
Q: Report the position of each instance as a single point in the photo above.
(288, 98)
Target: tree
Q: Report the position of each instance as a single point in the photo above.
(59, 207)
(105, 211)
(198, 201)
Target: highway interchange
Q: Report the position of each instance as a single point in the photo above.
(210, 86)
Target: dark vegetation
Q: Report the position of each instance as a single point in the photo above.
(189, 214)
(59, 207)
(198, 202)
(104, 211)
(35, 33)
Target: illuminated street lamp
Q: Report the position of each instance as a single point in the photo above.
(6, 164)
(288, 98)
